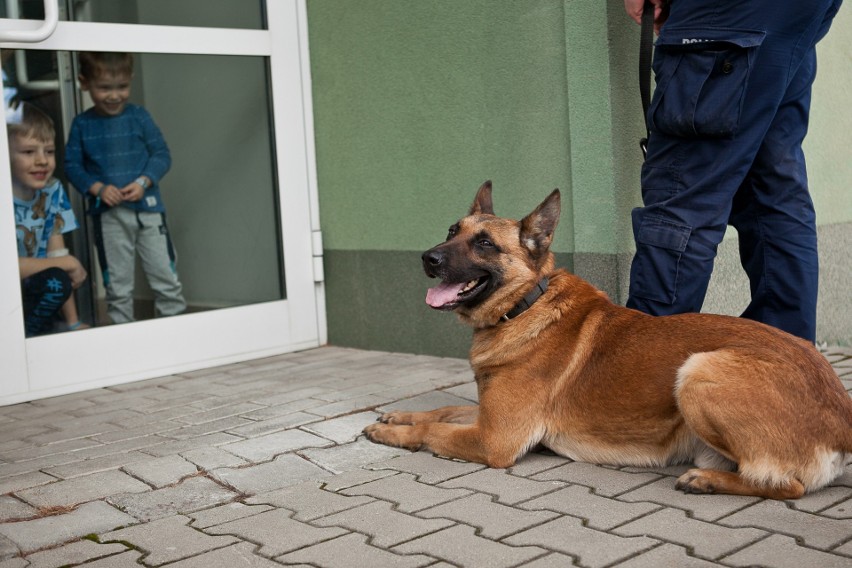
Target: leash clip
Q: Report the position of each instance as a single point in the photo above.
(643, 144)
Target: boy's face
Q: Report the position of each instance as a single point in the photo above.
(32, 160)
(109, 92)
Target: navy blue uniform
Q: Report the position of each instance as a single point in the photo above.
(727, 120)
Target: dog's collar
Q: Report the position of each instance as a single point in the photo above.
(528, 300)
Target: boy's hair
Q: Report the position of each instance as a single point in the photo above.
(93, 64)
(34, 122)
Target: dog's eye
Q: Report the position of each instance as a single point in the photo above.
(452, 232)
(485, 243)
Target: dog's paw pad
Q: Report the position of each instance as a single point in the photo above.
(394, 418)
(695, 481)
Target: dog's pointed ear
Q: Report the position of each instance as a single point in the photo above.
(482, 204)
(537, 228)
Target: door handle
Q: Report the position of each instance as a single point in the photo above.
(40, 33)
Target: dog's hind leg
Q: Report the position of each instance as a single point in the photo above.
(732, 483)
(452, 414)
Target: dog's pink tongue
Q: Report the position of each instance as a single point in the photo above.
(443, 294)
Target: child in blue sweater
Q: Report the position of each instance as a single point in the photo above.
(116, 155)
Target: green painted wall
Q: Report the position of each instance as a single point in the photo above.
(416, 103)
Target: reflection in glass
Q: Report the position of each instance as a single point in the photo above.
(220, 191)
(243, 14)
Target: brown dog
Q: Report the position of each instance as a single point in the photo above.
(758, 411)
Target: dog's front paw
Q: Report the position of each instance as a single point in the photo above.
(396, 417)
(696, 481)
(393, 435)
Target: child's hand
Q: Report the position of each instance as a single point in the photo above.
(75, 270)
(111, 195)
(132, 191)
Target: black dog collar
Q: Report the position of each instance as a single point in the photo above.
(528, 300)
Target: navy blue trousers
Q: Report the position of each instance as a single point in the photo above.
(43, 294)
(727, 119)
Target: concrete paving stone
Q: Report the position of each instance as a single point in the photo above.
(8, 549)
(346, 392)
(210, 458)
(219, 413)
(428, 468)
(507, 488)
(537, 462)
(365, 402)
(591, 548)
(415, 390)
(88, 518)
(241, 555)
(408, 494)
(707, 540)
(82, 489)
(96, 465)
(284, 409)
(675, 470)
(23, 481)
(842, 510)
(467, 391)
(664, 556)
(780, 551)
(822, 499)
(179, 446)
(606, 481)
(267, 447)
(600, 512)
(73, 433)
(205, 428)
(814, 530)
(167, 540)
(382, 523)
(354, 477)
(20, 430)
(308, 501)
(191, 494)
(257, 428)
(159, 472)
(276, 532)
(224, 514)
(344, 429)
(293, 395)
(352, 551)
(11, 508)
(845, 480)
(844, 549)
(286, 469)
(703, 507)
(493, 520)
(33, 452)
(338, 459)
(424, 402)
(73, 553)
(461, 546)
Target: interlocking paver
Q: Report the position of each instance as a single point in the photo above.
(276, 532)
(338, 459)
(600, 512)
(823, 499)
(82, 489)
(814, 530)
(428, 468)
(385, 526)
(8, 549)
(23, 481)
(15, 509)
(354, 477)
(408, 494)
(256, 428)
(128, 559)
(842, 510)
(224, 514)
(352, 551)
(704, 507)
(308, 501)
(88, 518)
(664, 556)
(97, 465)
(590, 547)
(344, 429)
(179, 446)
(74, 553)
(267, 447)
(537, 462)
(605, 480)
(783, 552)
(428, 401)
(507, 488)
(166, 540)
(241, 555)
(163, 471)
(192, 494)
(208, 458)
(494, 520)
(284, 470)
(706, 539)
(461, 546)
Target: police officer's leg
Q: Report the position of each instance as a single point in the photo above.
(774, 216)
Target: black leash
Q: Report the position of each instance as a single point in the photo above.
(646, 51)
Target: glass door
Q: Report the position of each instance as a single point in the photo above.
(229, 213)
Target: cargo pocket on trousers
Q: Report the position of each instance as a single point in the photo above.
(660, 244)
(701, 81)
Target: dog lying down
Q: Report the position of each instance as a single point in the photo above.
(758, 411)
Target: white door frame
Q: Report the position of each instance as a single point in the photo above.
(57, 364)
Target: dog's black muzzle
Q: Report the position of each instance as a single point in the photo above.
(434, 262)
